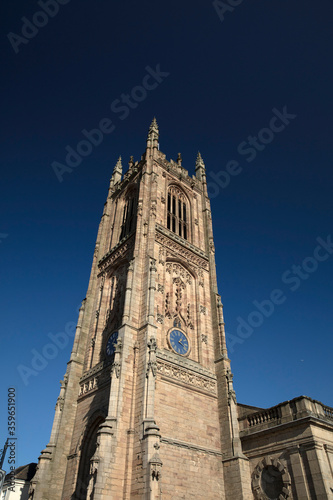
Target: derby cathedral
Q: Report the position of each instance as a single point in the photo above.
(147, 408)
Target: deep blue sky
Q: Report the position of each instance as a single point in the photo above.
(225, 78)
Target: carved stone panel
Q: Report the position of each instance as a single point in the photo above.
(180, 298)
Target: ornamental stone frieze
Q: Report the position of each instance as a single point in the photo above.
(186, 371)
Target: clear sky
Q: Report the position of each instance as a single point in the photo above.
(250, 86)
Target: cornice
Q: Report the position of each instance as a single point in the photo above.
(185, 371)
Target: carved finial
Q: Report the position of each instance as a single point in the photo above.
(119, 166)
(200, 169)
(199, 163)
(131, 162)
(117, 172)
(179, 160)
(153, 127)
(153, 135)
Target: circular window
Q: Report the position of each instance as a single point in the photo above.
(272, 482)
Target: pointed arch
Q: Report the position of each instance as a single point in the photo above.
(178, 260)
(88, 447)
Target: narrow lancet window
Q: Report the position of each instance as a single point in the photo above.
(129, 215)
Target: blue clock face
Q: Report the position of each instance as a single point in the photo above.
(179, 342)
(110, 347)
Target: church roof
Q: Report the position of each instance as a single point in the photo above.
(25, 472)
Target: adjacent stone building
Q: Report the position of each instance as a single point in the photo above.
(147, 408)
(290, 448)
(17, 483)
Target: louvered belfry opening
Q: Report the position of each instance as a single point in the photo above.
(177, 218)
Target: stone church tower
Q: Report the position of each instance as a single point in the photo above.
(147, 408)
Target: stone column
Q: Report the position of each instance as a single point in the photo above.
(329, 454)
(128, 292)
(151, 291)
(319, 469)
(300, 482)
(232, 404)
(222, 340)
(97, 314)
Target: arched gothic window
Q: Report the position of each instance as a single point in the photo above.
(129, 215)
(178, 216)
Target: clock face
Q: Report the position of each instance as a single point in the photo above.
(110, 347)
(179, 342)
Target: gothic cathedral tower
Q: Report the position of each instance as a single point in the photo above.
(147, 408)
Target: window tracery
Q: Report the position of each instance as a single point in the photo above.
(178, 213)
